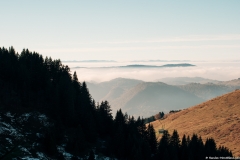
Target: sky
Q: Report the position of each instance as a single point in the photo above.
(123, 30)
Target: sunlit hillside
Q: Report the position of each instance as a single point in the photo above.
(218, 118)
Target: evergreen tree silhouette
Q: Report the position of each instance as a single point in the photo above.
(210, 147)
(174, 145)
(183, 149)
(163, 147)
(151, 136)
(195, 148)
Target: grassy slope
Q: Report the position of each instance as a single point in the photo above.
(218, 118)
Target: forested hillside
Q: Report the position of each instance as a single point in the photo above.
(62, 116)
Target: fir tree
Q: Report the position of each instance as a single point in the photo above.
(210, 147)
(151, 136)
(183, 149)
(174, 145)
(163, 146)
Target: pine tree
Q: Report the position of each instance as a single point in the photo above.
(195, 148)
(105, 119)
(142, 129)
(174, 145)
(87, 114)
(210, 147)
(184, 149)
(151, 136)
(120, 119)
(163, 146)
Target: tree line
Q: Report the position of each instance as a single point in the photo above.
(33, 83)
(160, 115)
(170, 147)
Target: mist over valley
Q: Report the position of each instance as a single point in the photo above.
(105, 71)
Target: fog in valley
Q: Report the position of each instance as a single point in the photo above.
(95, 71)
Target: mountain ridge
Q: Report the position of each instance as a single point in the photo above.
(148, 98)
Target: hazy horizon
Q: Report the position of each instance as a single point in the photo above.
(216, 70)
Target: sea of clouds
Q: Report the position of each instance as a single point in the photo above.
(105, 71)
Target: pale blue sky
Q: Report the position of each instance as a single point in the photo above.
(123, 30)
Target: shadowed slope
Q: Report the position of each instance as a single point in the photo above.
(218, 118)
(111, 89)
(149, 98)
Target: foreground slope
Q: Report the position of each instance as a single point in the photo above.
(218, 118)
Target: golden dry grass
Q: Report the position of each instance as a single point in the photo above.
(218, 118)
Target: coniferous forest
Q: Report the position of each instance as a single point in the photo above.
(32, 83)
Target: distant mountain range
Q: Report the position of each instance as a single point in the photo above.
(148, 98)
(152, 66)
(92, 61)
(209, 90)
(161, 60)
(186, 80)
(145, 66)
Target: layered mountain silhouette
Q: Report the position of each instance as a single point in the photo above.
(234, 82)
(218, 118)
(148, 98)
(153, 66)
(137, 97)
(209, 90)
(111, 90)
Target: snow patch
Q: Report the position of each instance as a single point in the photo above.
(43, 120)
(7, 129)
(25, 150)
(9, 115)
(9, 140)
(24, 117)
(64, 153)
(39, 135)
(67, 155)
(42, 156)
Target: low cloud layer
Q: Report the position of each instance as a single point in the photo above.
(217, 71)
